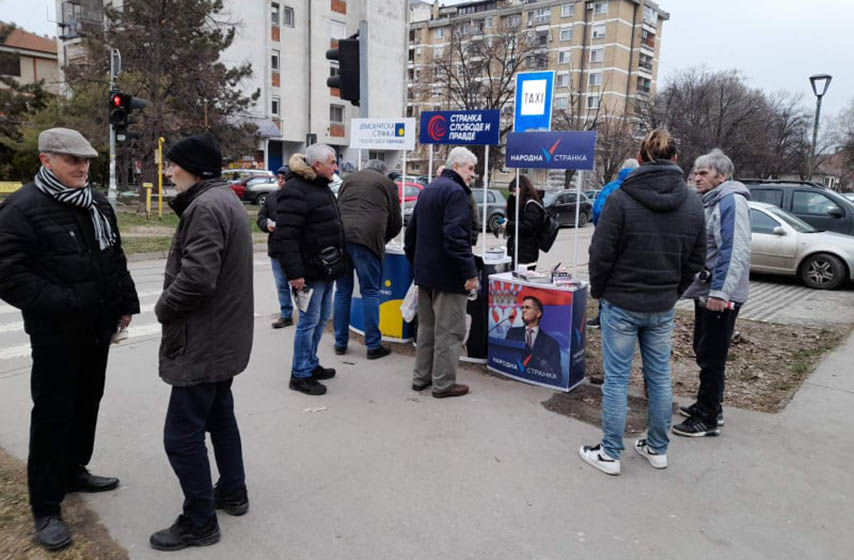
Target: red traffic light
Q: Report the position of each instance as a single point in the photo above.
(116, 100)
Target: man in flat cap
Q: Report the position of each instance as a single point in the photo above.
(62, 265)
(207, 312)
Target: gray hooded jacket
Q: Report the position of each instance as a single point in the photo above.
(727, 244)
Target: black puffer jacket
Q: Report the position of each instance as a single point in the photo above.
(53, 270)
(531, 218)
(268, 212)
(307, 221)
(649, 242)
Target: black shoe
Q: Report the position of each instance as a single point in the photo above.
(378, 353)
(307, 385)
(340, 350)
(321, 372)
(419, 387)
(594, 323)
(695, 427)
(282, 322)
(52, 533)
(84, 481)
(689, 411)
(182, 534)
(236, 504)
(455, 390)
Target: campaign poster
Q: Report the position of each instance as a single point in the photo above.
(536, 334)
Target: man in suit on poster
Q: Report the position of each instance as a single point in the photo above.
(541, 350)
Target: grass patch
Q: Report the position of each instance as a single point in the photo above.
(129, 219)
(133, 245)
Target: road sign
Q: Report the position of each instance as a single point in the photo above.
(481, 128)
(551, 150)
(382, 134)
(533, 101)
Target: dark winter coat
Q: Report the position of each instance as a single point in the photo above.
(438, 239)
(531, 218)
(370, 210)
(207, 305)
(310, 222)
(650, 240)
(53, 270)
(268, 212)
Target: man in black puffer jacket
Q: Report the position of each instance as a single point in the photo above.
(309, 243)
(62, 265)
(649, 243)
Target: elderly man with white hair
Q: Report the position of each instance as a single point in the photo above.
(309, 243)
(438, 244)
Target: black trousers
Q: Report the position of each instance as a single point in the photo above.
(207, 407)
(712, 335)
(66, 384)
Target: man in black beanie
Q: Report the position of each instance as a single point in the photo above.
(206, 309)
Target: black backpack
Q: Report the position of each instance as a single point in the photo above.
(547, 233)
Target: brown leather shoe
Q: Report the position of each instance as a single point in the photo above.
(455, 390)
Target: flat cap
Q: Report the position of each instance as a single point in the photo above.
(65, 141)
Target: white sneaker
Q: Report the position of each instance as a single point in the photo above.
(657, 460)
(597, 457)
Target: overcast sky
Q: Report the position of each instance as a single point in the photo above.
(777, 44)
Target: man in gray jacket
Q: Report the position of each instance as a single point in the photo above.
(370, 211)
(719, 290)
(206, 309)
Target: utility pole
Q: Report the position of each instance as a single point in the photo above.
(115, 69)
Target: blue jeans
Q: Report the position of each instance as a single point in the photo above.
(310, 328)
(286, 307)
(620, 329)
(369, 269)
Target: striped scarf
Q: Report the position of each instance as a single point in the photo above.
(47, 183)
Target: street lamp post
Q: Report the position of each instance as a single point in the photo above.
(820, 83)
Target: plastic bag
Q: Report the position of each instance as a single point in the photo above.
(409, 307)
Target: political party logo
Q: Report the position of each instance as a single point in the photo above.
(399, 129)
(437, 127)
(551, 151)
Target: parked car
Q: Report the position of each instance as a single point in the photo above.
(240, 175)
(818, 206)
(781, 243)
(591, 193)
(495, 207)
(258, 189)
(412, 191)
(561, 204)
(240, 185)
(849, 196)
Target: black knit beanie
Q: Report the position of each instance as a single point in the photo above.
(199, 155)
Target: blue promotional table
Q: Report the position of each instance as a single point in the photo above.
(394, 282)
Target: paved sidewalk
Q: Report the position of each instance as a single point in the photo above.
(383, 472)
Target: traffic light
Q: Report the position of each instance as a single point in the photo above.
(347, 80)
(120, 104)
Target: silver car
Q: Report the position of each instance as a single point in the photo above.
(784, 244)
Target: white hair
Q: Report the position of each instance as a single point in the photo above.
(317, 152)
(716, 161)
(630, 163)
(460, 156)
(377, 165)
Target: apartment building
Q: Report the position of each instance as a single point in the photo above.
(286, 42)
(28, 58)
(604, 52)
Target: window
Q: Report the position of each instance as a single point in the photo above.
(439, 32)
(337, 30)
(566, 34)
(563, 79)
(541, 15)
(10, 65)
(600, 8)
(647, 39)
(645, 62)
(597, 55)
(336, 113)
(514, 20)
(438, 52)
(650, 15)
(567, 10)
(760, 222)
(564, 57)
(815, 203)
(274, 13)
(595, 79)
(274, 60)
(644, 84)
(592, 101)
(771, 196)
(561, 102)
(599, 31)
(489, 21)
(288, 17)
(275, 106)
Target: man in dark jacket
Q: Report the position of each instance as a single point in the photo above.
(267, 224)
(206, 309)
(370, 211)
(309, 242)
(542, 352)
(438, 244)
(648, 245)
(62, 265)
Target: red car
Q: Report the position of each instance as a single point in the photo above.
(239, 187)
(412, 191)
